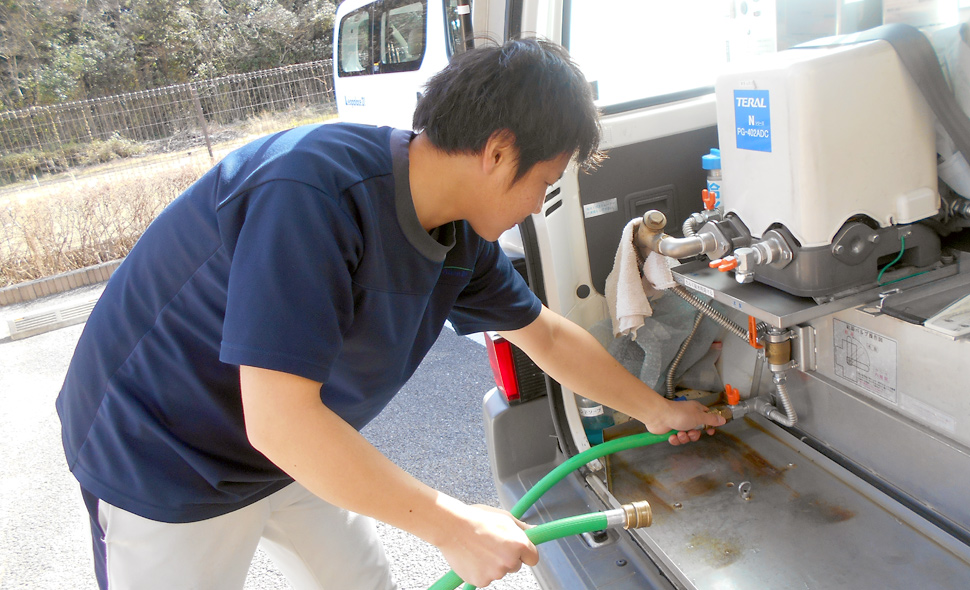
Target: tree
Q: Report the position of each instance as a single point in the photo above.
(57, 50)
(29, 30)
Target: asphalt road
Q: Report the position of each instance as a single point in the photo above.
(432, 429)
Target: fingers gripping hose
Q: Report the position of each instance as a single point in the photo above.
(629, 516)
(572, 525)
(557, 529)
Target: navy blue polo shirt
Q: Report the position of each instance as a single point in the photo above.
(300, 252)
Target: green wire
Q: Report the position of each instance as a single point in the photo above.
(915, 274)
(902, 249)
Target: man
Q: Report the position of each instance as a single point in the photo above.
(274, 308)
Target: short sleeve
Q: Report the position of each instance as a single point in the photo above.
(290, 298)
(496, 298)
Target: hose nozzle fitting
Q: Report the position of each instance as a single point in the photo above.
(638, 515)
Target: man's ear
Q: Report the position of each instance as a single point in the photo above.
(499, 151)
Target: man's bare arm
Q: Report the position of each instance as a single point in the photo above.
(287, 422)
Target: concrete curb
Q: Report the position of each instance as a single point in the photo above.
(36, 289)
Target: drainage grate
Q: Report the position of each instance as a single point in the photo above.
(46, 321)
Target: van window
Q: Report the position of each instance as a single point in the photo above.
(653, 50)
(354, 43)
(403, 31)
(458, 21)
(382, 37)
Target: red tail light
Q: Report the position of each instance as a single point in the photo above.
(503, 366)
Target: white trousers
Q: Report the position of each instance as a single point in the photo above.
(315, 544)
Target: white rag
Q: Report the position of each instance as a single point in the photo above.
(657, 270)
(627, 293)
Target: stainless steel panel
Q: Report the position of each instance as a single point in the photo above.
(804, 523)
(911, 431)
(777, 308)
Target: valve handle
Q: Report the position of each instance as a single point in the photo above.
(727, 263)
(732, 394)
(753, 332)
(708, 197)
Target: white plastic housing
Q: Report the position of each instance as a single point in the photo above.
(811, 137)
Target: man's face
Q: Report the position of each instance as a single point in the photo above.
(510, 203)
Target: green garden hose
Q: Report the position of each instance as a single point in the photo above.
(572, 525)
(557, 529)
(577, 461)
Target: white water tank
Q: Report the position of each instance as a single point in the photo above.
(812, 137)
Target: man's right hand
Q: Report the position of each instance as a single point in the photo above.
(486, 544)
(287, 422)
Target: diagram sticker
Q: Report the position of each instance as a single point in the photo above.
(752, 120)
(866, 359)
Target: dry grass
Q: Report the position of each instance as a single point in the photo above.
(54, 228)
(82, 225)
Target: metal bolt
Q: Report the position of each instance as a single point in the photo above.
(655, 220)
(620, 563)
(744, 490)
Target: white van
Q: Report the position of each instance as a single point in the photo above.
(385, 51)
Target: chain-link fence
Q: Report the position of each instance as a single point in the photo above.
(41, 144)
(80, 181)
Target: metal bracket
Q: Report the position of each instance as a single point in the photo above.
(803, 348)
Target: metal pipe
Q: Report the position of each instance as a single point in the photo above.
(649, 236)
(697, 219)
(680, 354)
(789, 418)
(710, 312)
(763, 405)
(759, 365)
(649, 232)
(685, 247)
(778, 355)
(688, 227)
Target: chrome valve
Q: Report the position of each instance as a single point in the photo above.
(772, 249)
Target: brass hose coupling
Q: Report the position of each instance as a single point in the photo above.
(636, 515)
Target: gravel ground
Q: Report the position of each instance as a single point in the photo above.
(432, 429)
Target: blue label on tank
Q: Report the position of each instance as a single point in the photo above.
(752, 120)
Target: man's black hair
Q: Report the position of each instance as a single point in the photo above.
(529, 87)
